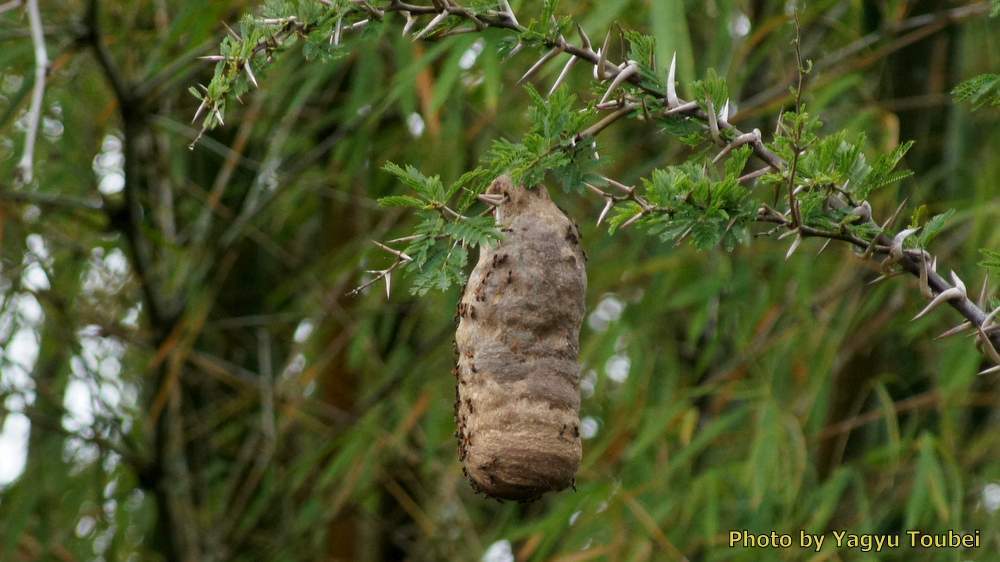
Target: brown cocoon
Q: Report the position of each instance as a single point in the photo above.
(518, 398)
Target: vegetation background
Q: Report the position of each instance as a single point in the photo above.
(182, 377)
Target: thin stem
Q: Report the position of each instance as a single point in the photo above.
(25, 167)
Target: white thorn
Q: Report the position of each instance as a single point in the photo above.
(786, 234)
(724, 114)
(947, 295)
(959, 284)
(672, 100)
(541, 62)
(683, 108)
(253, 79)
(864, 210)
(825, 245)
(204, 102)
(991, 370)
(794, 246)
(881, 278)
(896, 251)
(745, 138)
(991, 350)
(595, 189)
(231, 32)
(629, 222)
(338, 31)
(433, 23)
(925, 288)
(604, 212)
(619, 185)
(989, 318)
(491, 200)
(713, 123)
(410, 21)
(388, 284)
(510, 12)
(623, 75)
(602, 57)
(956, 330)
(984, 292)
(562, 75)
(584, 38)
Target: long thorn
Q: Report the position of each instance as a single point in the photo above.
(410, 21)
(430, 26)
(231, 32)
(510, 12)
(253, 79)
(954, 331)
(629, 222)
(683, 108)
(622, 76)
(491, 200)
(713, 123)
(562, 75)
(724, 113)
(602, 57)
(538, 65)
(392, 251)
(825, 246)
(604, 212)
(794, 246)
(672, 100)
(745, 138)
(946, 295)
(204, 103)
(584, 38)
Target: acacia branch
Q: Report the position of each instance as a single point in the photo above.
(913, 262)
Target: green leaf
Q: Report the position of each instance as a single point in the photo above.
(473, 231)
(401, 201)
(979, 92)
(991, 261)
(443, 269)
(935, 226)
(429, 187)
(883, 170)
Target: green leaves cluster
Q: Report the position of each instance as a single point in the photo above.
(442, 238)
(711, 88)
(547, 149)
(278, 24)
(991, 261)
(979, 92)
(831, 164)
(691, 204)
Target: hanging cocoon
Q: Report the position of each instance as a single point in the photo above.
(517, 342)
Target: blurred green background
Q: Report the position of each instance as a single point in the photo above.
(182, 377)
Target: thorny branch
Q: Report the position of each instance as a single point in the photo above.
(916, 262)
(25, 167)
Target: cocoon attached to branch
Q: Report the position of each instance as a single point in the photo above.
(518, 398)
